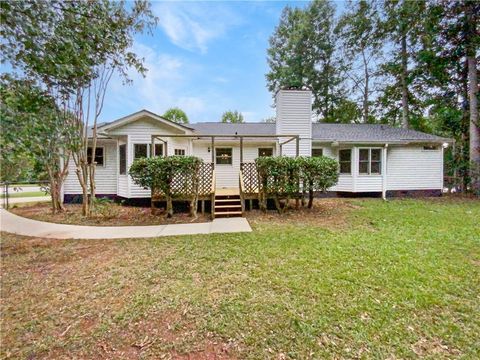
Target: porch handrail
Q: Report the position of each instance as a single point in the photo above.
(241, 186)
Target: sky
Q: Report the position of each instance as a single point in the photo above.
(204, 57)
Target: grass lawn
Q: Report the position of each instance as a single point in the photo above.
(369, 279)
(24, 194)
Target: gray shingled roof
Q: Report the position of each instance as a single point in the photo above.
(361, 133)
(369, 132)
(323, 132)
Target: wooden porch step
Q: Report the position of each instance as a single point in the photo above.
(227, 213)
(236, 206)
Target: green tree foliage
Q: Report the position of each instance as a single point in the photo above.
(232, 117)
(72, 49)
(177, 115)
(317, 174)
(31, 125)
(303, 52)
(160, 174)
(362, 45)
(284, 177)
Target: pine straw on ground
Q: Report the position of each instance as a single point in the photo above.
(115, 215)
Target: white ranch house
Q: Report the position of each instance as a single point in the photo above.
(374, 159)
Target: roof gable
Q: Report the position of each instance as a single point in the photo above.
(141, 115)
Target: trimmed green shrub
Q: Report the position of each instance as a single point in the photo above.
(172, 176)
(317, 174)
(287, 177)
(279, 177)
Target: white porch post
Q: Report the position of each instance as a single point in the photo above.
(384, 172)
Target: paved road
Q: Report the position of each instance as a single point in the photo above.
(19, 225)
(16, 200)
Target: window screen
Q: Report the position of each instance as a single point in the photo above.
(223, 156)
(345, 157)
(140, 151)
(98, 155)
(317, 152)
(123, 159)
(265, 152)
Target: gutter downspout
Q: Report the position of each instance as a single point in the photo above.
(384, 172)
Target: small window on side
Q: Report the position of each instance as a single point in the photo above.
(265, 152)
(345, 160)
(223, 156)
(317, 152)
(99, 159)
(158, 150)
(179, 152)
(123, 159)
(140, 151)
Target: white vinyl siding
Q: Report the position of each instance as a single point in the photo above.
(228, 175)
(105, 176)
(140, 132)
(412, 168)
(294, 116)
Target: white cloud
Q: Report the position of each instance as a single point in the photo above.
(192, 26)
(167, 83)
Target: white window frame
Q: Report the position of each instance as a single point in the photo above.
(223, 147)
(164, 147)
(264, 147)
(104, 155)
(181, 149)
(148, 150)
(126, 159)
(352, 158)
(370, 161)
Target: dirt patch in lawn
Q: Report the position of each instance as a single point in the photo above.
(117, 215)
(329, 213)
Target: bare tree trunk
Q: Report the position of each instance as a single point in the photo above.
(366, 89)
(474, 124)
(404, 74)
(310, 195)
(169, 206)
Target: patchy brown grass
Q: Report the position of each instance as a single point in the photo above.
(117, 215)
(309, 285)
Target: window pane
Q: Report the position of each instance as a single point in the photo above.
(317, 152)
(140, 151)
(265, 152)
(123, 159)
(363, 167)
(223, 156)
(180, 152)
(345, 155)
(345, 168)
(375, 167)
(158, 149)
(363, 154)
(376, 153)
(98, 155)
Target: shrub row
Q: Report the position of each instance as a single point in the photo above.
(287, 177)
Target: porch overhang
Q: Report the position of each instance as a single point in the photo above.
(213, 137)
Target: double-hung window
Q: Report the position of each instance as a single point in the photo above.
(99, 156)
(370, 161)
(122, 149)
(345, 160)
(140, 151)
